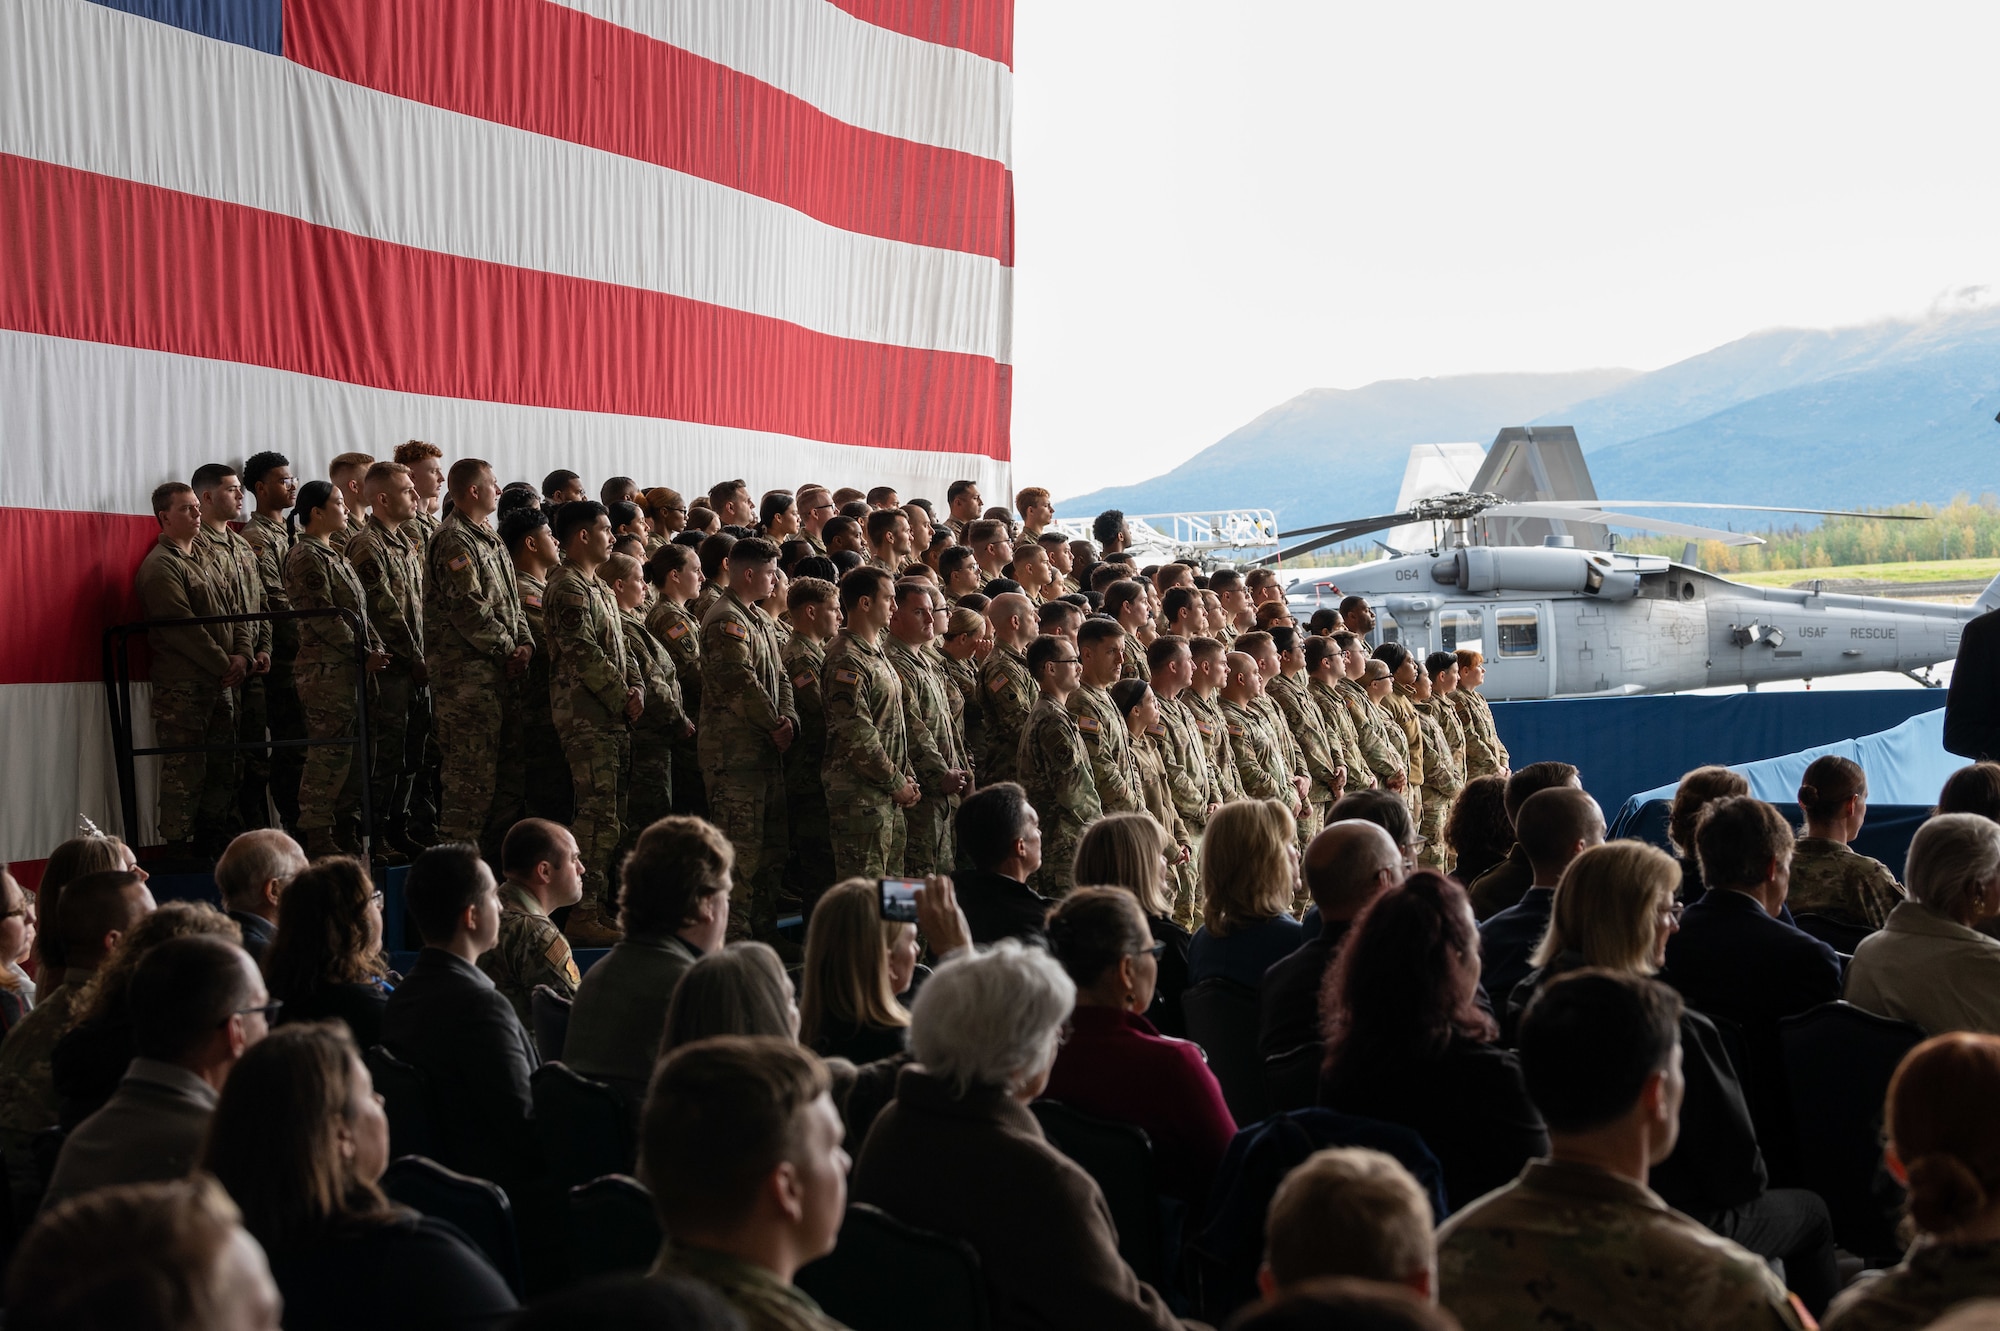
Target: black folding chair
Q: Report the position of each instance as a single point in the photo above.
(1119, 1157)
(1840, 935)
(478, 1209)
(585, 1130)
(1222, 1018)
(406, 1095)
(1291, 1079)
(885, 1275)
(612, 1227)
(550, 1013)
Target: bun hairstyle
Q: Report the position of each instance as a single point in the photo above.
(1828, 784)
(1938, 1125)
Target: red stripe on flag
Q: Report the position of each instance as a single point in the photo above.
(983, 27)
(551, 70)
(68, 578)
(90, 256)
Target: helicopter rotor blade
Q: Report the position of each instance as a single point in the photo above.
(1745, 508)
(1385, 520)
(1601, 518)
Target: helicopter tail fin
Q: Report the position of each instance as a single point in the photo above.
(1990, 598)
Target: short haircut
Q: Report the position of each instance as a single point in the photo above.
(381, 474)
(530, 842)
(442, 883)
(183, 990)
(867, 580)
(1094, 928)
(1348, 1211)
(1161, 651)
(1178, 599)
(810, 591)
(991, 1019)
(1224, 580)
(1103, 575)
(1379, 807)
(92, 906)
(163, 495)
(1205, 648)
(1319, 651)
(209, 475)
(1527, 780)
(558, 479)
(1974, 788)
(253, 859)
(720, 1115)
(1737, 839)
(676, 863)
(575, 516)
(621, 563)
(415, 451)
(722, 492)
(838, 526)
(1952, 857)
(1032, 497)
(260, 465)
(1588, 1042)
(1097, 630)
(1042, 651)
(1550, 822)
(519, 524)
(349, 463)
(881, 494)
(984, 531)
(1105, 526)
(615, 489)
(751, 550)
(464, 474)
(1055, 612)
(882, 523)
(990, 820)
(957, 488)
(1284, 637)
(909, 587)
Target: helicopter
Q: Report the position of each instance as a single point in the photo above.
(1560, 620)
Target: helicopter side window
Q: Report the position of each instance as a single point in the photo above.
(1462, 630)
(1520, 633)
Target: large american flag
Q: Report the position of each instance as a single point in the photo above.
(681, 240)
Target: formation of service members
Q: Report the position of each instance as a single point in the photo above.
(824, 674)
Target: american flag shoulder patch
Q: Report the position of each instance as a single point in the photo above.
(846, 677)
(1087, 724)
(529, 598)
(735, 630)
(677, 631)
(459, 563)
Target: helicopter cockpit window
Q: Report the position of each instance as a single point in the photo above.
(1462, 630)
(1520, 632)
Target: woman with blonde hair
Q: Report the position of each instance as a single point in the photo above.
(741, 990)
(1614, 909)
(847, 1001)
(93, 852)
(1249, 876)
(1132, 851)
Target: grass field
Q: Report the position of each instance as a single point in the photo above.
(1922, 570)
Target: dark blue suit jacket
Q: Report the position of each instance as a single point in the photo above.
(1732, 960)
(1508, 939)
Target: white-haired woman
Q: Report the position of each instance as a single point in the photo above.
(1930, 964)
(959, 1153)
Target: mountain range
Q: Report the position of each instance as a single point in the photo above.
(1889, 412)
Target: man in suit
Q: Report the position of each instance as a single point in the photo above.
(1508, 881)
(197, 1004)
(1972, 707)
(1552, 828)
(999, 831)
(449, 1020)
(251, 874)
(1345, 868)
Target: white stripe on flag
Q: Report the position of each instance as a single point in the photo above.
(56, 764)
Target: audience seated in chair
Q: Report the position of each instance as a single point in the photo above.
(1115, 1065)
(1941, 1147)
(1697, 790)
(447, 1020)
(1615, 910)
(1507, 882)
(1552, 828)
(1249, 875)
(960, 1154)
(1933, 963)
(848, 1006)
(1578, 1239)
(740, 1146)
(632, 1303)
(251, 875)
(1478, 829)
(1828, 878)
(142, 1257)
(1128, 850)
(1349, 1211)
(741, 990)
(326, 961)
(1345, 868)
(999, 832)
(674, 909)
(197, 1004)
(541, 872)
(1407, 1043)
(300, 1140)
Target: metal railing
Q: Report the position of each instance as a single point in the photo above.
(118, 699)
(1217, 536)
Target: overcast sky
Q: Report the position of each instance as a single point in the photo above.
(1221, 205)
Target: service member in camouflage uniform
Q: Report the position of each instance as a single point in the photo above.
(348, 472)
(547, 791)
(318, 578)
(1485, 755)
(1260, 647)
(477, 645)
(674, 573)
(748, 720)
(1444, 770)
(1828, 876)
(867, 774)
(1125, 601)
(813, 605)
(1192, 780)
(1386, 755)
(1203, 697)
(649, 781)
(1289, 690)
(963, 640)
(1054, 765)
(388, 558)
(269, 476)
(195, 672)
(1262, 756)
(1101, 648)
(1399, 708)
(937, 753)
(595, 694)
(1007, 693)
(232, 562)
(541, 871)
(1325, 669)
(1148, 737)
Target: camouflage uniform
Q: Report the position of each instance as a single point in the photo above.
(680, 633)
(189, 705)
(650, 788)
(1007, 693)
(1931, 1279)
(1193, 783)
(764, 1302)
(1485, 755)
(1340, 729)
(390, 566)
(1831, 879)
(1213, 728)
(1134, 664)
(232, 563)
(809, 869)
(547, 788)
(1109, 744)
(1263, 760)
(1149, 759)
(963, 695)
(1315, 745)
(704, 601)
(1444, 777)
(28, 1105)
(1574, 1246)
(531, 951)
(316, 577)
(589, 675)
(279, 769)
(424, 527)
(1054, 768)
(473, 621)
(339, 539)
(1384, 749)
(867, 758)
(423, 815)
(745, 695)
(1399, 712)
(935, 748)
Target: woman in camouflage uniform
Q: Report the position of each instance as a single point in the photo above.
(1444, 755)
(1485, 755)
